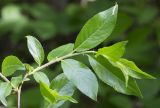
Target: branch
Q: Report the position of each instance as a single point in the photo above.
(44, 66)
(59, 59)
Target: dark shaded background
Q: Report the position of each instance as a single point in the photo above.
(56, 22)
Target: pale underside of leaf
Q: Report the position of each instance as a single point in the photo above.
(81, 76)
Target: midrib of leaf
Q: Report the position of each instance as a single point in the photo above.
(92, 34)
(137, 70)
(34, 50)
(124, 71)
(130, 87)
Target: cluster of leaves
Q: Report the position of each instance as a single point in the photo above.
(107, 63)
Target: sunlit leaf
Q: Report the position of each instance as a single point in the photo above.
(97, 29)
(113, 52)
(81, 76)
(36, 49)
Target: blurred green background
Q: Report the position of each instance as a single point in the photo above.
(56, 22)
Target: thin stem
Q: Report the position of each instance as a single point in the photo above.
(19, 91)
(19, 97)
(4, 78)
(59, 59)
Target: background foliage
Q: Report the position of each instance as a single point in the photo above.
(57, 22)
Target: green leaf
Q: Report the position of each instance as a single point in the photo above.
(10, 64)
(129, 69)
(97, 29)
(133, 70)
(53, 96)
(36, 49)
(48, 93)
(60, 51)
(41, 77)
(63, 86)
(5, 90)
(113, 77)
(16, 80)
(123, 69)
(81, 76)
(113, 52)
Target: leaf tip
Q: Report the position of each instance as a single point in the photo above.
(152, 77)
(28, 36)
(115, 9)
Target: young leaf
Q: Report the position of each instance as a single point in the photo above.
(81, 76)
(97, 29)
(63, 86)
(60, 51)
(36, 49)
(53, 96)
(129, 69)
(5, 90)
(113, 52)
(48, 93)
(10, 64)
(16, 80)
(111, 76)
(133, 70)
(40, 76)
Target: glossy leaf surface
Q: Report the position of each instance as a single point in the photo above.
(97, 29)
